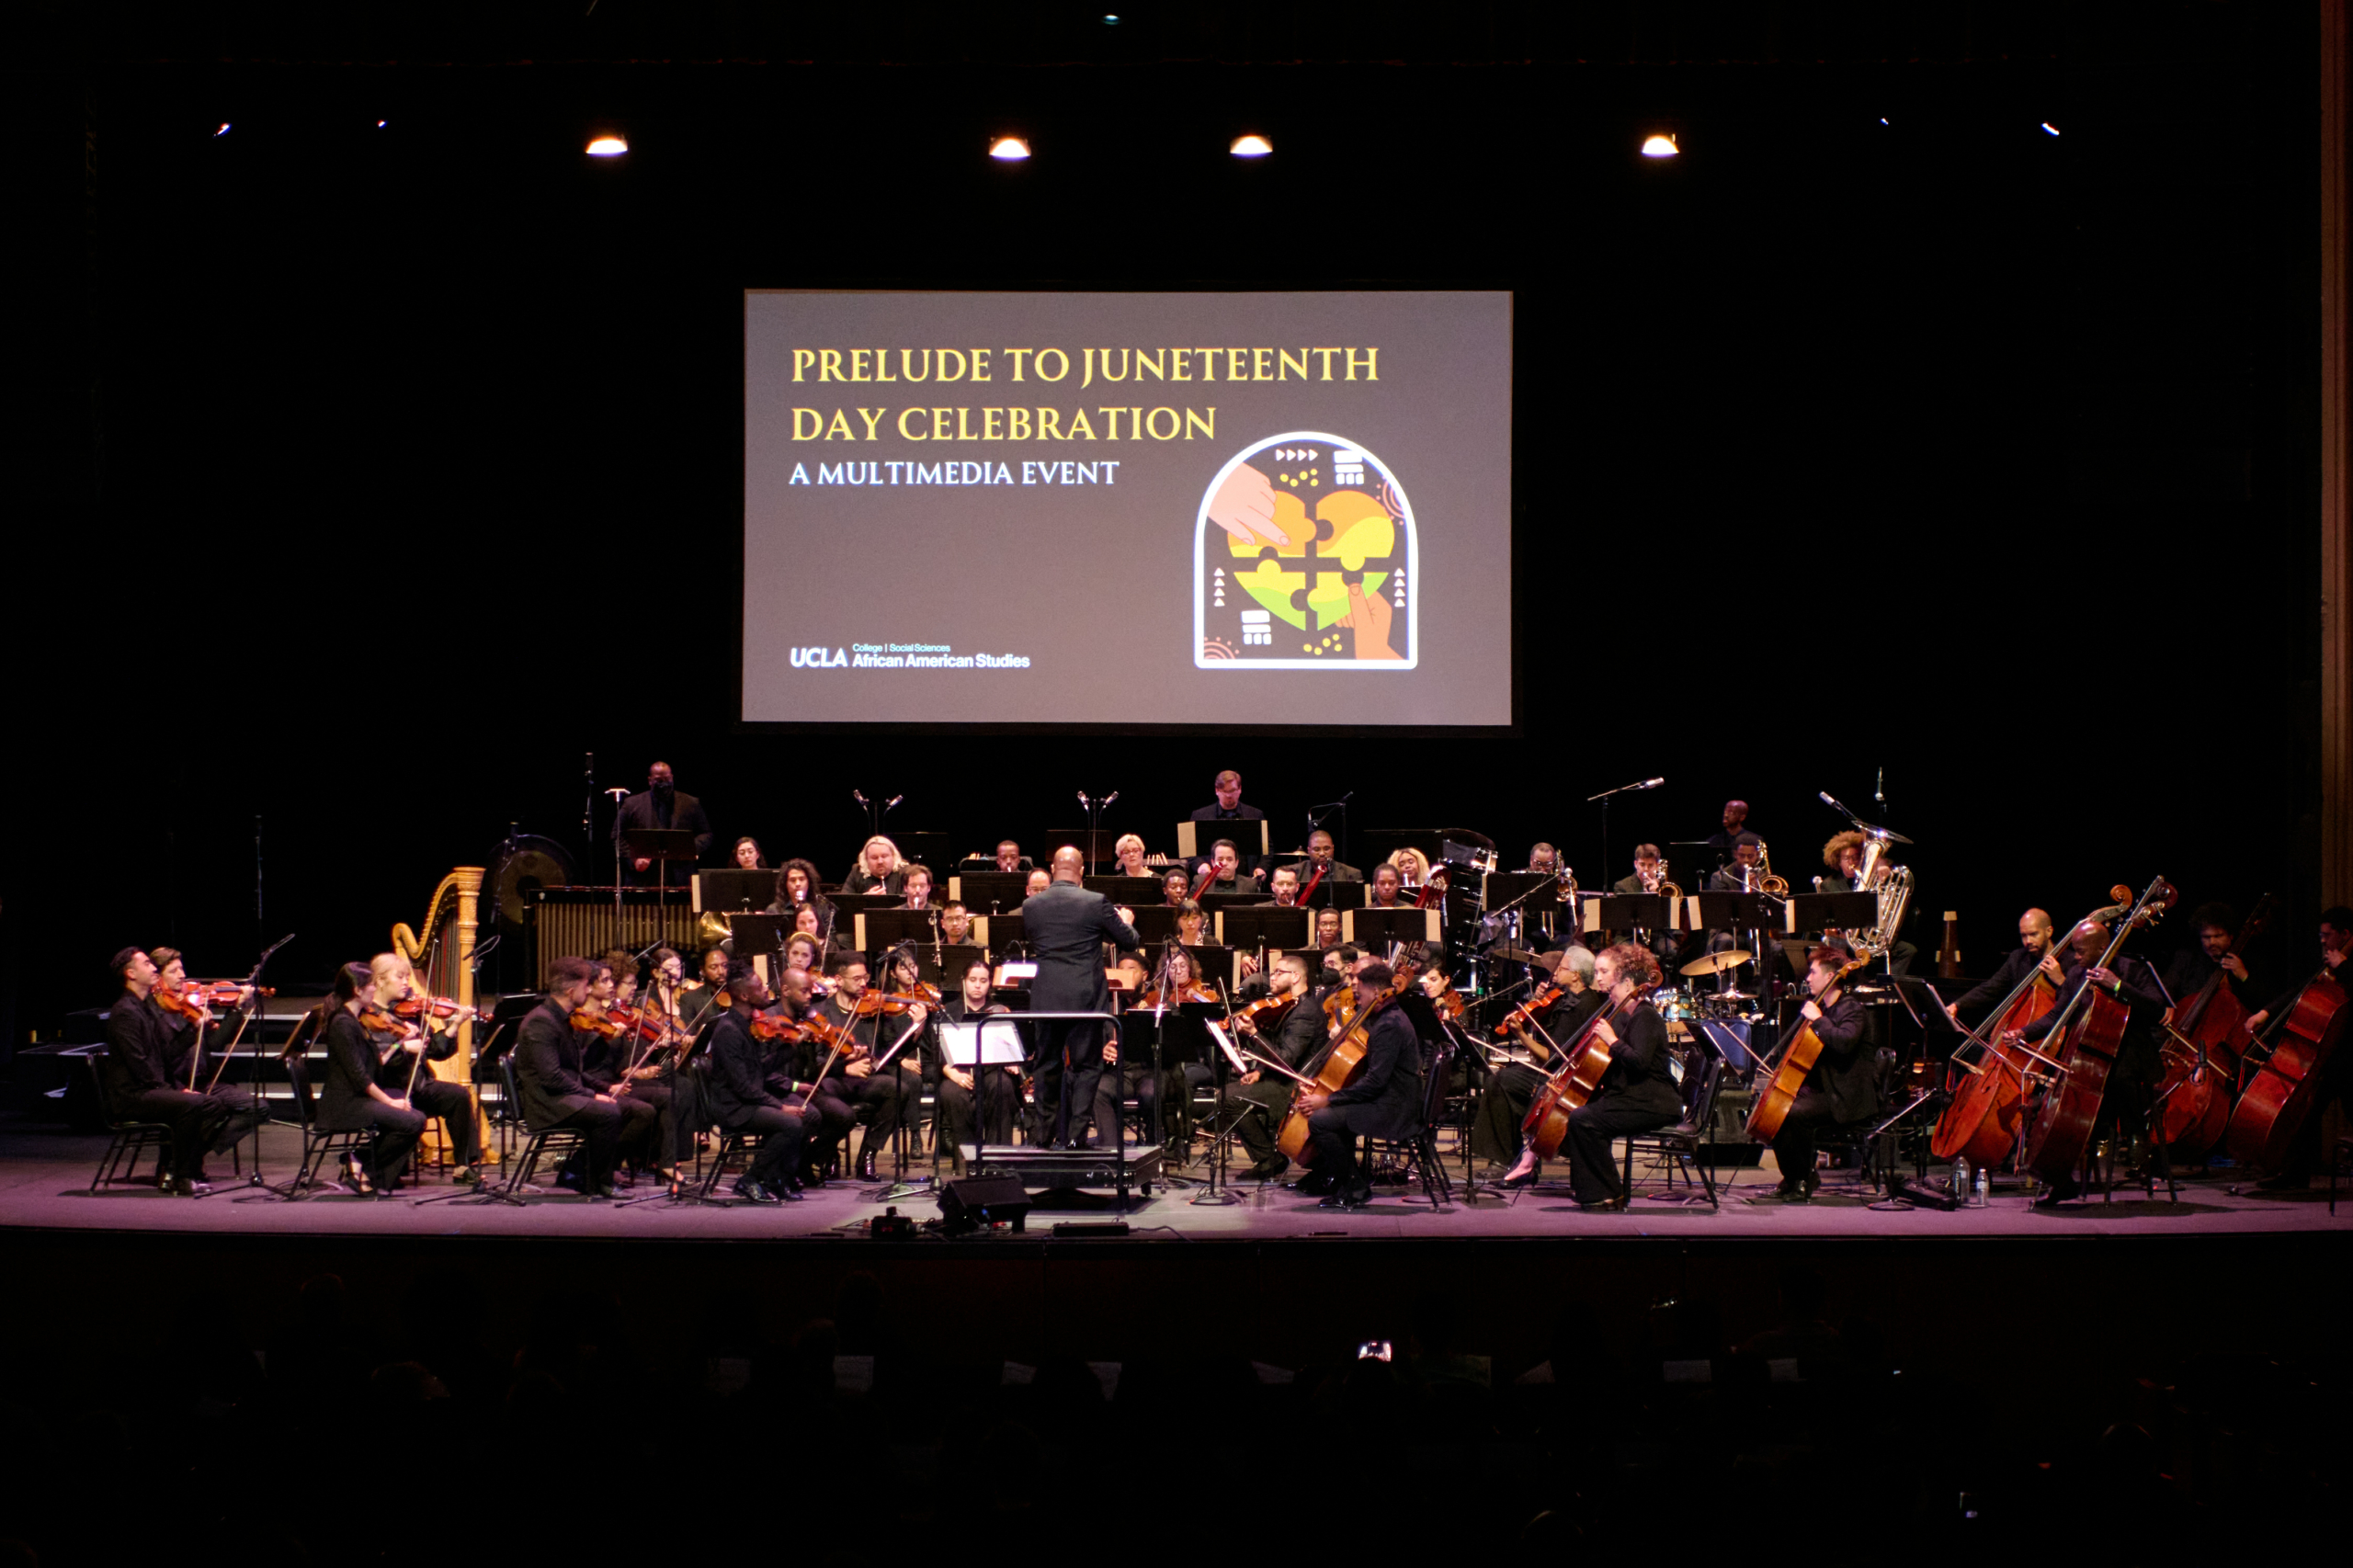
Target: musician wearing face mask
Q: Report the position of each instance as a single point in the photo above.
(660, 805)
(1843, 1087)
(1293, 1040)
(1503, 1107)
(2125, 1105)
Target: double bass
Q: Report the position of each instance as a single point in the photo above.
(2088, 1032)
(2287, 1072)
(1585, 1057)
(1793, 1062)
(1990, 1102)
(2208, 1035)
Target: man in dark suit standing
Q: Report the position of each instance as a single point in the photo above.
(659, 804)
(1067, 926)
(1384, 1099)
(546, 1074)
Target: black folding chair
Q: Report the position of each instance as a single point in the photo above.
(318, 1146)
(1413, 1158)
(131, 1138)
(1680, 1144)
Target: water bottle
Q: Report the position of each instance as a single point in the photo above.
(1960, 1180)
(1977, 1193)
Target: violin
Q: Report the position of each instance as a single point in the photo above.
(1191, 991)
(922, 992)
(1266, 1012)
(442, 1008)
(1449, 1002)
(187, 1006)
(197, 998)
(607, 1027)
(377, 1022)
(1529, 1011)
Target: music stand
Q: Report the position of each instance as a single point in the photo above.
(1215, 902)
(661, 846)
(860, 902)
(733, 888)
(1193, 838)
(999, 931)
(1830, 912)
(880, 930)
(1134, 892)
(992, 891)
(757, 937)
(1384, 928)
(1630, 911)
(1093, 844)
(973, 1044)
(1753, 913)
(1265, 925)
(1212, 965)
(1330, 894)
(945, 963)
(1155, 922)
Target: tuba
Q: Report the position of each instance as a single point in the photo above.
(1894, 892)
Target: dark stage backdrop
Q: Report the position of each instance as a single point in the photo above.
(384, 472)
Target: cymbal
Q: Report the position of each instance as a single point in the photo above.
(1515, 955)
(1888, 834)
(1693, 843)
(1716, 963)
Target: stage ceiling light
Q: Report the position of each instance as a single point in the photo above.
(2051, 128)
(607, 144)
(1660, 147)
(1252, 146)
(1009, 149)
(223, 130)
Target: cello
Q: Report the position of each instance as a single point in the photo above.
(1989, 1105)
(1792, 1061)
(1335, 1072)
(2202, 1059)
(1585, 1057)
(2089, 1030)
(2273, 1105)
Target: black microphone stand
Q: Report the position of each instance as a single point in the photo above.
(1604, 798)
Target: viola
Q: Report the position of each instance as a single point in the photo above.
(442, 1008)
(1795, 1060)
(2086, 1037)
(583, 1022)
(1528, 1012)
(1585, 1057)
(376, 1022)
(1449, 1002)
(1191, 991)
(2272, 1108)
(1266, 1012)
(2209, 1036)
(180, 1001)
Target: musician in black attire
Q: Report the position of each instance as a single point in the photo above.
(1229, 809)
(1726, 839)
(139, 1084)
(354, 1101)
(2296, 1171)
(2125, 1105)
(852, 1091)
(2033, 952)
(405, 1078)
(607, 1064)
(1383, 1100)
(1067, 926)
(1320, 855)
(880, 870)
(1638, 1092)
(660, 804)
(1646, 874)
(737, 1094)
(2191, 968)
(1843, 1087)
(953, 1088)
(547, 1076)
(182, 1037)
(1502, 1106)
(1294, 1041)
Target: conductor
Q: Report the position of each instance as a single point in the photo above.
(1067, 926)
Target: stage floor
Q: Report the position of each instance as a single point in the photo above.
(45, 1176)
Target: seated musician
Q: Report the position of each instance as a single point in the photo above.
(1638, 1092)
(1009, 857)
(187, 1039)
(738, 1096)
(1175, 888)
(1294, 1040)
(1039, 881)
(2033, 952)
(2296, 1171)
(693, 999)
(141, 1083)
(747, 857)
(954, 1089)
(2124, 1106)
(1495, 1134)
(1727, 838)
(877, 869)
(1285, 886)
(796, 884)
(1341, 960)
(909, 1034)
(610, 1061)
(1742, 874)
(955, 923)
(1129, 852)
(407, 1078)
(353, 1099)
(915, 885)
(1843, 1088)
(1650, 872)
(1543, 860)
(1140, 1080)
(1383, 1100)
(1192, 925)
(1320, 856)
(1327, 929)
(807, 950)
(1227, 875)
(548, 1078)
(1388, 890)
(1844, 856)
(852, 1091)
(2217, 928)
(664, 1004)
(1412, 867)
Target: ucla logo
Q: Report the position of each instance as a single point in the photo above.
(818, 658)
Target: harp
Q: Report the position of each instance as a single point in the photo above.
(443, 962)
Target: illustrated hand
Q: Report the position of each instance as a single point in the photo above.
(1369, 618)
(1245, 507)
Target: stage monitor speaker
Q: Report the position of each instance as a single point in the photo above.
(970, 1203)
